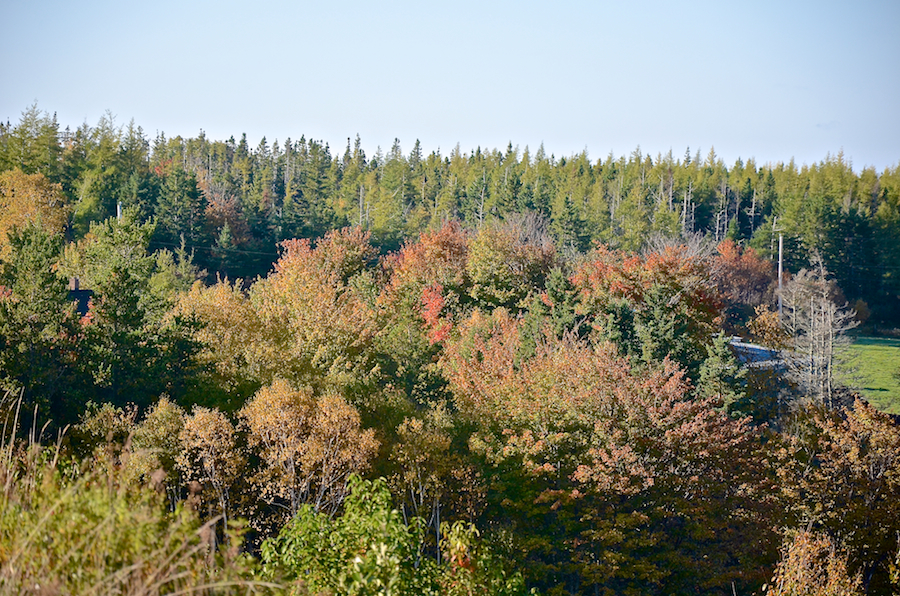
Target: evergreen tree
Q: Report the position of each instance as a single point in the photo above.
(39, 328)
(135, 353)
(180, 210)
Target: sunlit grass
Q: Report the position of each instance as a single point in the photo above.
(877, 361)
(91, 529)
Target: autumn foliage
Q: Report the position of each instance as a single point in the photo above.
(812, 565)
(305, 322)
(29, 198)
(742, 276)
(516, 372)
(612, 443)
(309, 445)
(471, 414)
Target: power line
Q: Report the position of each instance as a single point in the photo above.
(214, 248)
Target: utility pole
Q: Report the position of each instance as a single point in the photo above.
(780, 247)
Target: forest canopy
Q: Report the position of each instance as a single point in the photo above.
(272, 369)
(232, 202)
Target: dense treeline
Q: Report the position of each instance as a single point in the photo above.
(232, 202)
(455, 395)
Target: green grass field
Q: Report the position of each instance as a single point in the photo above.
(877, 360)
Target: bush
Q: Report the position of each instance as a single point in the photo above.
(66, 528)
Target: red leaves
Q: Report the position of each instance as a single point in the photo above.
(615, 275)
(438, 258)
(741, 275)
(432, 305)
(583, 411)
(163, 168)
(340, 254)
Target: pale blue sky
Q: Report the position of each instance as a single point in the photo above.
(769, 80)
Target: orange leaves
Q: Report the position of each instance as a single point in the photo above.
(845, 479)
(742, 276)
(426, 278)
(209, 453)
(868, 442)
(277, 421)
(766, 328)
(337, 257)
(437, 258)
(663, 304)
(859, 456)
(625, 455)
(208, 441)
(583, 411)
(304, 322)
(812, 565)
(309, 445)
(613, 274)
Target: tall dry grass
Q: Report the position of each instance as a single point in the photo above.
(80, 527)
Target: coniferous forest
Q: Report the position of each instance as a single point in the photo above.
(296, 369)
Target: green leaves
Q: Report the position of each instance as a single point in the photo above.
(40, 334)
(180, 209)
(92, 529)
(367, 550)
(136, 352)
(371, 550)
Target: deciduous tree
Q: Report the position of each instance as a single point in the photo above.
(619, 462)
(29, 198)
(211, 457)
(844, 479)
(663, 303)
(317, 328)
(812, 565)
(742, 276)
(309, 445)
(818, 326)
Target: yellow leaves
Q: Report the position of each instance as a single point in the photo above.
(309, 445)
(304, 322)
(156, 441)
(812, 565)
(228, 326)
(503, 268)
(209, 450)
(766, 327)
(860, 455)
(277, 419)
(421, 452)
(312, 327)
(29, 197)
(295, 324)
(843, 476)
